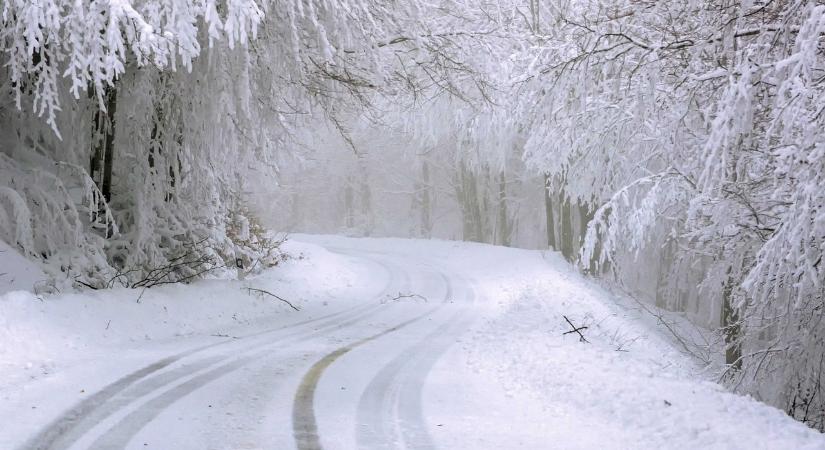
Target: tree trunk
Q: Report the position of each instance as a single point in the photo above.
(467, 197)
(109, 146)
(730, 324)
(535, 16)
(102, 154)
(426, 201)
(548, 215)
(503, 218)
(585, 216)
(662, 277)
(365, 196)
(566, 228)
(349, 203)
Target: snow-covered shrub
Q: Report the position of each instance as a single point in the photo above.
(42, 218)
(257, 247)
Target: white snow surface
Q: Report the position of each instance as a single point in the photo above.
(18, 273)
(462, 346)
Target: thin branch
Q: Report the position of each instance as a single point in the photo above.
(576, 330)
(250, 290)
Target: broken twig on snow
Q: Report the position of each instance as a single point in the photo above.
(250, 290)
(221, 335)
(400, 296)
(576, 330)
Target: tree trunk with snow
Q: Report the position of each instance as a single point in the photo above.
(550, 224)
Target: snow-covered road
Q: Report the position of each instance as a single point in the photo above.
(426, 345)
(381, 348)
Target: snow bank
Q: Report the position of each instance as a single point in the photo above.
(631, 386)
(41, 335)
(17, 272)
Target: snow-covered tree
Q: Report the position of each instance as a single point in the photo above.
(691, 127)
(149, 116)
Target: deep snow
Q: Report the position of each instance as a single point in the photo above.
(55, 350)
(508, 377)
(17, 273)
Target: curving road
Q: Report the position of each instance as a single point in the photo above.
(349, 379)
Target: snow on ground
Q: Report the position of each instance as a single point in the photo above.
(47, 343)
(18, 273)
(514, 379)
(630, 387)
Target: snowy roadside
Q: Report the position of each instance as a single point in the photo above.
(56, 349)
(16, 272)
(631, 386)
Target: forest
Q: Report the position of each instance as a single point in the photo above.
(674, 150)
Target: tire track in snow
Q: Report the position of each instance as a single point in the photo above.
(72, 425)
(82, 419)
(390, 409)
(305, 427)
(119, 435)
(61, 432)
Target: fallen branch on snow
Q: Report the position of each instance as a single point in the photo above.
(250, 290)
(221, 335)
(575, 330)
(401, 296)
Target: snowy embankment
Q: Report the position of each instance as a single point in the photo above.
(514, 378)
(56, 349)
(17, 273)
(631, 386)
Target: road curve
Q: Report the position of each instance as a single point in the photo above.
(286, 373)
